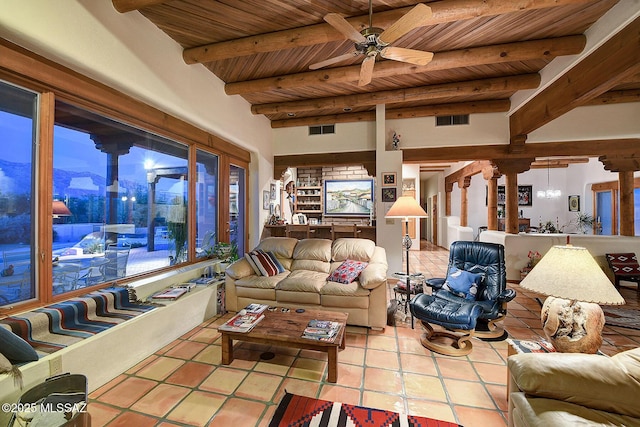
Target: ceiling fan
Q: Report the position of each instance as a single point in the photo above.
(373, 41)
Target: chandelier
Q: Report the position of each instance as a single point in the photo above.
(549, 193)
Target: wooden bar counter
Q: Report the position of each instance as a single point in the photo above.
(320, 231)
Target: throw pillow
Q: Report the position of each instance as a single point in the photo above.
(15, 348)
(348, 271)
(463, 283)
(264, 263)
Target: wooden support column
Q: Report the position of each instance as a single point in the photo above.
(625, 166)
(491, 174)
(463, 184)
(511, 168)
(448, 188)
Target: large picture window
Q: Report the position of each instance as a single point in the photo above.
(18, 130)
(97, 188)
(124, 195)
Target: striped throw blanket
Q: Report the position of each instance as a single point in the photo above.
(50, 328)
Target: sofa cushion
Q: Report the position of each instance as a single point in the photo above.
(610, 384)
(15, 348)
(462, 283)
(373, 276)
(303, 281)
(313, 249)
(344, 289)
(264, 263)
(352, 248)
(312, 255)
(282, 247)
(263, 282)
(347, 272)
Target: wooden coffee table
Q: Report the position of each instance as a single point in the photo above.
(285, 329)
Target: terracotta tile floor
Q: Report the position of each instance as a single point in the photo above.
(184, 384)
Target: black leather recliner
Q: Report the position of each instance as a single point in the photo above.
(462, 316)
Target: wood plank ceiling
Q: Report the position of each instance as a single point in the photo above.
(262, 49)
(484, 52)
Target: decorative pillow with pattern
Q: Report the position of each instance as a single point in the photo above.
(463, 283)
(264, 263)
(348, 271)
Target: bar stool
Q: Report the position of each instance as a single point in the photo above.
(299, 230)
(349, 230)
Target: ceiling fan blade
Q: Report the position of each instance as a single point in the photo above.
(334, 60)
(366, 70)
(411, 56)
(342, 25)
(419, 16)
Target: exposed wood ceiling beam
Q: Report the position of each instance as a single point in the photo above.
(434, 167)
(616, 97)
(443, 12)
(501, 84)
(477, 107)
(613, 62)
(124, 6)
(522, 51)
(558, 163)
(468, 170)
(589, 148)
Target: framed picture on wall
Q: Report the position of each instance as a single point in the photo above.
(348, 197)
(389, 179)
(389, 194)
(272, 193)
(525, 193)
(574, 203)
(265, 200)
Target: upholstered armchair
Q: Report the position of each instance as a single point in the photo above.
(468, 302)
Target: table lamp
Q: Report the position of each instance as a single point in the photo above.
(575, 284)
(406, 207)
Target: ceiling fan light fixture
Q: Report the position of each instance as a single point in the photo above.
(372, 41)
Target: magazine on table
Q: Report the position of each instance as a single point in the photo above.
(256, 308)
(242, 322)
(321, 330)
(170, 294)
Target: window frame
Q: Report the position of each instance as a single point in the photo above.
(52, 81)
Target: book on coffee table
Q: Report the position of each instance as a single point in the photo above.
(242, 322)
(321, 330)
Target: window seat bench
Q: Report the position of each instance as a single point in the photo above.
(108, 353)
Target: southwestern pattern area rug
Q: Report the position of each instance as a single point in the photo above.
(301, 411)
(51, 328)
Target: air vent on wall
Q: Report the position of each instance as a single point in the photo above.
(322, 129)
(459, 119)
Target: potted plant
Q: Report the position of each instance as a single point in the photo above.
(177, 231)
(584, 222)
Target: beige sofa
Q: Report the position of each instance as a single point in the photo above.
(308, 263)
(568, 389)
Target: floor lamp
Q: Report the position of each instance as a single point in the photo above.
(406, 207)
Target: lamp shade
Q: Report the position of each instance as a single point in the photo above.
(570, 272)
(406, 207)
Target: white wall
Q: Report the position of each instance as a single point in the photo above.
(483, 129)
(129, 53)
(347, 137)
(592, 122)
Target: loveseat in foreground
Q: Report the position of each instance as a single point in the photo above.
(307, 265)
(570, 389)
